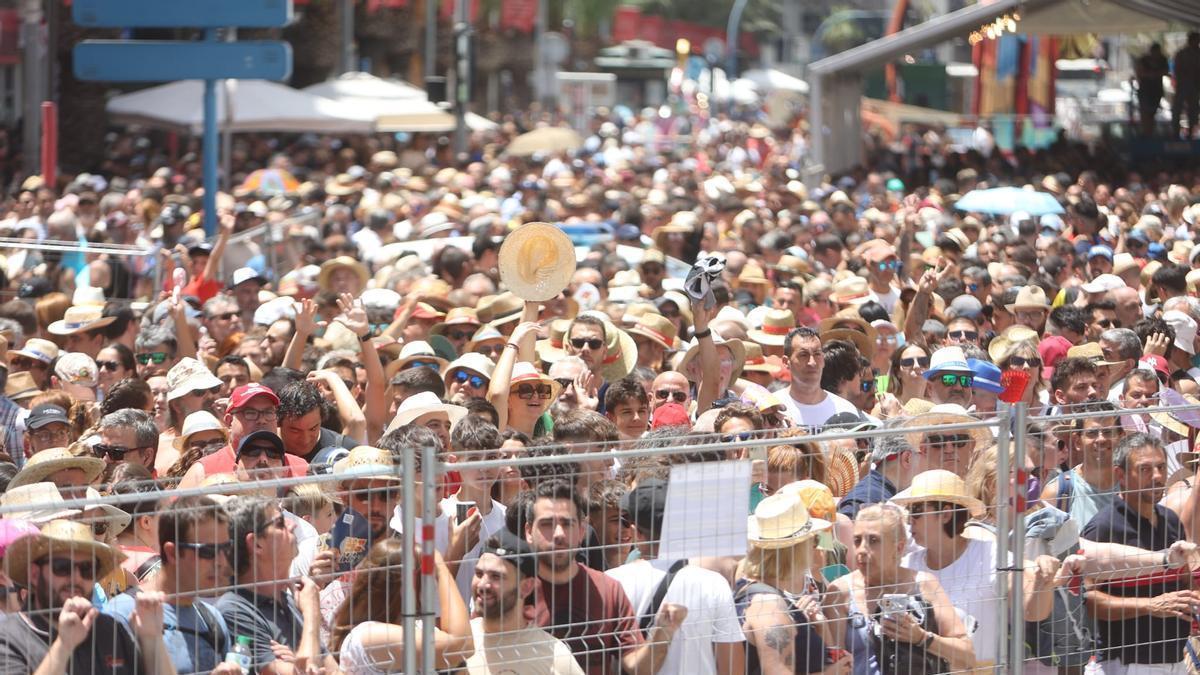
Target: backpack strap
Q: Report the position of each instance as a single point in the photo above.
(219, 640)
(147, 567)
(659, 593)
(1062, 501)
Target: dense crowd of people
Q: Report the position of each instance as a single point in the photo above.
(203, 445)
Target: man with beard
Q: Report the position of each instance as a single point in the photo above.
(60, 631)
(567, 371)
(581, 606)
(505, 575)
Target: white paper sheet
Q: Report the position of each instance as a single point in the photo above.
(707, 506)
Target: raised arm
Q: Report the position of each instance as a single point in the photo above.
(501, 382)
(374, 412)
(354, 423)
(710, 363)
(306, 325)
(213, 267)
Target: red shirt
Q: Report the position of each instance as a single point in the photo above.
(224, 461)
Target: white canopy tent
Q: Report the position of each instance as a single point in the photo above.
(767, 80)
(252, 105)
(394, 104)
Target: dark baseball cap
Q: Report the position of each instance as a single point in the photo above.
(260, 437)
(322, 462)
(645, 505)
(512, 549)
(46, 414)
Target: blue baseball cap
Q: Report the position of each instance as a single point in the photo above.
(1100, 251)
(1156, 251)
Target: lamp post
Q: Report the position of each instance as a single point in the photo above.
(731, 34)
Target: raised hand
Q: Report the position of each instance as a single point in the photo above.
(353, 315)
(306, 317)
(75, 622)
(147, 617)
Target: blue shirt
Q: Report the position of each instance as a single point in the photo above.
(874, 488)
(190, 639)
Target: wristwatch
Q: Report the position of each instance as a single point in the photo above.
(928, 641)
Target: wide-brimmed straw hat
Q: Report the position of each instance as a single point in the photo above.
(499, 309)
(424, 403)
(553, 347)
(852, 290)
(658, 328)
(21, 386)
(942, 486)
(622, 354)
(461, 317)
(848, 325)
(38, 349)
(755, 361)
(948, 413)
(367, 462)
(782, 521)
(419, 351)
(736, 348)
(42, 502)
(777, 323)
(63, 536)
(537, 261)
(48, 462)
(201, 420)
(80, 318)
(116, 519)
(342, 262)
(1030, 297)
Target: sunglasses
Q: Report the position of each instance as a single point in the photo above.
(868, 385)
(741, 436)
(953, 379)
(958, 441)
(528, 391)
(61, 567)
(117, 452)
(488, 350)
(278, 522)
(21, 363)
(110, 366)
(156, 357)
(590, 343)
(888, 265)
(972, 288)
(226, 316)
(677, 396)
(918, 361)
(256, 451)
(964, 335)
(930, 509)
(209, 551)
(1022, 362)
(459, 334)
(463, 377)
(564, 381)
(1108, 323)
(424, 364)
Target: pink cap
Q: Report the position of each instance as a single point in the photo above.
(1052, 350)
(670, 415)
(242, 395)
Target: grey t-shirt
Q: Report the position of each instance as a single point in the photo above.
(262, 619)
(110, 648)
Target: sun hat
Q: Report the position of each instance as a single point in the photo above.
(816, 496)
(457, 316)
(680, 301)
(496, 309)
(1185, 330)
(622, 349)
(755, 361)
(777, 323)
(42, 499)
(342, 262)
(737, 350)
(1030, 297)
(425, 403)
(201, 420)
(367, 462)
(77, 368)
(58, 535)
(657, 328)
(48, 462)
(472, 361)
(21, 386)
(948, 413)
(418, 351)
(1124, 262)
(537, 261)
(117, 519)
(80, 318)
(1092, 352)
(1103, 283)
(852, 290)
(524, 371)
(947, 360)
(38, 349)
(553, 347)
(849, 325)
(187, 376)
(88, 296)
(782, 521)
(939, 485)
(484, 334)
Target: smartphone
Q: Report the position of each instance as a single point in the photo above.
(463, 511)
(892, 605)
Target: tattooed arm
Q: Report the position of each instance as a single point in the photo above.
(769, 629)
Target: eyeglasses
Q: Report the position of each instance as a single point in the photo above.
(110, 366)
(459, 334)
(225, 316)
(156, 357)
(61, 567)
(256, 451)
(963, 335)
(463, 377)
(741, 436)
(678, 396)
(917, 361)
(424, 364)
(255, 414)
(888, 265)
(527, 391)
(590, 343)
(954, 379)
(209, 551)
(958, 441)
(1022, 362)
(44, 436)
(868, 385)
(117, 452)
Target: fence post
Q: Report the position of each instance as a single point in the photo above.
(432, 472)
(1017, 642)
(408, 517)
(1004, 420)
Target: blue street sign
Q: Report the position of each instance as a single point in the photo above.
(181, 13)
(166, 61)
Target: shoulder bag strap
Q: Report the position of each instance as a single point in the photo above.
(659, 593)
(1065, 488)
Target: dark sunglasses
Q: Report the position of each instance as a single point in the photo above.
(1108, 323)
(255, 451)
(156, 357)
(22, 363)
(740, 436)
(590, 343)
(489, 349)
(424, 364)
(209, 551)
(922, 361)
(463, 377)
(957, 440)
(222, 317)
(61, 567)
(964, 335)
(527, 391)
(868, 385)
(677, 396)
(1022, 362)
(110, 366)
(459, 334)
(564, 381)
(278, 522)
(117, 452)
(952, 379)
(972, 288)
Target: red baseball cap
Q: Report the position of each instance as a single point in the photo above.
(670, 415)
(1052, 349)
(242, 395)
(1156, 363)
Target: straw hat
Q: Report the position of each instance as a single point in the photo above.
(80, 318)
(944, 414)
(43, 500)
(793, 265)
(939, 485)
(48, 462)
(537, 261)
(849, 326)
(755, 361)
(472, 361)
(852, 290)
(1092, 352)
(736, 348)
(1030, 297)
(21, 386)
(199, 421)
(415, 351)
(496, 309)
(817, 497)
(777, 323)
(38, 349)
(553, 348)
(424, 403)
(58, 535)
(658, 328)
(88, 296)
(187, 376)
(464, 317)
(1003, 344)
(781, 521)
(117, 519)
(367, 462)
(484, 334)
(342, 262)
(752, 274)
(622, 350)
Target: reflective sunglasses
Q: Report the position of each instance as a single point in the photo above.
(590, 343)
(255, 451)
(964, 335)
(958, 441)
(156, 357)
(955, 379)
(528, 391)
(209, 551)
(918, 361)
(110, 366)
(424, 364)
(61, 567)
(1022, 362)
(888, 265)
(117, 452)
(677, 396)
(463, 377)
(868, 385)
(489, 350)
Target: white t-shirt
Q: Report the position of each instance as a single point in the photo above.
(354, 658)
(711, 614)
(814, 416)
(889, 300)
(970, 583)
(529, 651)
(492, 523)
